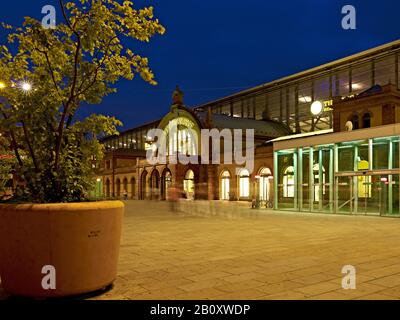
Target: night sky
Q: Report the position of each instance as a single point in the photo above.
(213, 48)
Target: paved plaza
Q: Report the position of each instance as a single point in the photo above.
(228, 251)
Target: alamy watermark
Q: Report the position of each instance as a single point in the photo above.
(183, 146)
(49, 20)
(349, 280)
(349, 21)
(49, 280)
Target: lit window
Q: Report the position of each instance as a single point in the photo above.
(183, 140)
(188, 184)
(225, 181)
(244, 183)
(265, 176)
(288, 182)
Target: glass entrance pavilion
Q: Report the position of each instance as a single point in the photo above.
(328, 172)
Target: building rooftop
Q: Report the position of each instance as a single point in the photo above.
(266, 128)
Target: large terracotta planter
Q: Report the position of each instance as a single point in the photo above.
(81, 241)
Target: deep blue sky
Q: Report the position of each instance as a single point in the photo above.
(213, 48)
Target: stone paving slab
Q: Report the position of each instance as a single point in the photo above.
(252, 254)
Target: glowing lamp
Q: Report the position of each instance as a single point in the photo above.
(316, 108)
(26, 86)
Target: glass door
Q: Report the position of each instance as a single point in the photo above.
(344, 194)
(373, 197)
(367, 194)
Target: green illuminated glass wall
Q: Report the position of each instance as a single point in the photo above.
(355, 177)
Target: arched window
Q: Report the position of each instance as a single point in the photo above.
(168, 178)
(355, 121)
(244, 184)
(367, 120)
(265, 177)
(189, 175)
(225, 185)
(181, 137)
(288, 182)
(166, 183)
(125, 185)
(188, 184)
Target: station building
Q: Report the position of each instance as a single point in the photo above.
(343, 159)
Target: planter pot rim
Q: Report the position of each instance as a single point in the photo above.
(72, 206)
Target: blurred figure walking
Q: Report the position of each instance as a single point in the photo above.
(173, 198)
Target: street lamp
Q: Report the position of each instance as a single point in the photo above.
(26, 86)
(317, 107)
(2, 85)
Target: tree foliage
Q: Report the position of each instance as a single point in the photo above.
(77, 63)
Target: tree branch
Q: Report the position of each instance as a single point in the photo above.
(61, 2)
(28, 142)
(95, 71)
(52, 75)
(60, 130)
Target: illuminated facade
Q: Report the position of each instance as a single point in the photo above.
(303, 161)
(126, 169)
(352, 176)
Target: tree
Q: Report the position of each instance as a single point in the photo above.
(46, 75)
